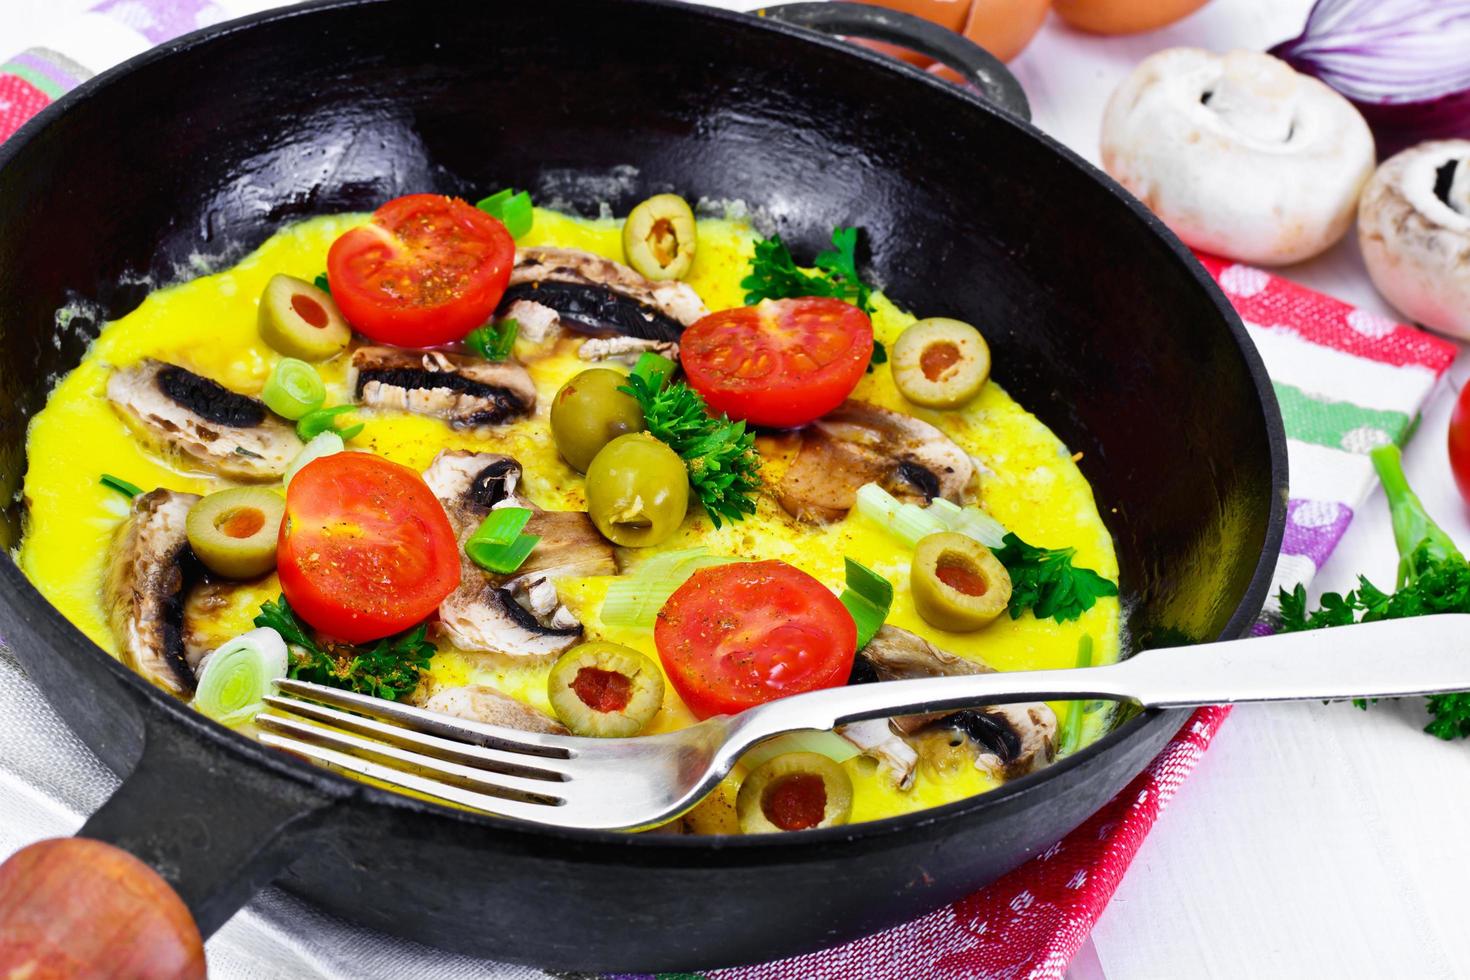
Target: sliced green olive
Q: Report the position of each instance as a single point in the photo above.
(589, 411)
(957, 584)
(795, 791)
(659, 237)
(300, 320)
(605, 690)
(637, 491)
(940, 363)
(234, 531)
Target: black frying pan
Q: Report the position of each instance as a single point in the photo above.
(1100, 321)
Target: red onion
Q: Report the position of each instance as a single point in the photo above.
(1404, 63)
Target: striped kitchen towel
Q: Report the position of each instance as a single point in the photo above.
(1346, 380)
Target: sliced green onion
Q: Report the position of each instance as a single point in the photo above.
(830, 744)
(512, 209)
(654, 369)
(294, 389)
(235, 678)
(633, 601)
(320, 282)
(498, 544)
(909, 522)
(321, 444)
(129, 490)
(1076, 710)
(493, 342)
(868, 597)
(320, 420)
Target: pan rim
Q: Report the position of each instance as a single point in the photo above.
(24, 600)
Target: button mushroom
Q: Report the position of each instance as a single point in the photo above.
(1237, 153)
(1414, 229)
(464, 391)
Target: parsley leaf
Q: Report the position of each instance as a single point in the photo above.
(880, 356)
(774, 274)
(493, 341)
(1046, 582)
(320, 282)
(724, 467)
(1433, 577)
(388, 669)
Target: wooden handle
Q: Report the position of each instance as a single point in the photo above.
(73, 907)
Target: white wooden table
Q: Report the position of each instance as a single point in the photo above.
(1313, 841)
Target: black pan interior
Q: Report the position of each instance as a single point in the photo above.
(1099, 322)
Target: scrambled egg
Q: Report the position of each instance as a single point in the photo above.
(1029, 480)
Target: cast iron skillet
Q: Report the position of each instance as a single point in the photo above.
(1100, 321)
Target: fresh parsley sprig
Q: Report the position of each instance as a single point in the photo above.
(388, 669)
(774, 274)
(720, 455)
(1045, 581)
(1433, 577)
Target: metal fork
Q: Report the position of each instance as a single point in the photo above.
(637, 783)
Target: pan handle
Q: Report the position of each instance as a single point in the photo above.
(183, 843)
(979, 67)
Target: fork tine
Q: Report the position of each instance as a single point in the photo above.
(447, 773)
(535, 812)
(491, 760)
(433, 723)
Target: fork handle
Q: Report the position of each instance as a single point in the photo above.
(1393, 658)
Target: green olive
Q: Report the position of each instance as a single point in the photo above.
(589, 411)
(940, 363)
(957, 584)
(234, 531)
(659, 237)
(795, 791)
(300, 320)
(605, 690)
(637, 491)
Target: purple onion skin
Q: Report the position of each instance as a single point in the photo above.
(1398, 127)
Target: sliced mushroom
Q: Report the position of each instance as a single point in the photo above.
(859, 443)
(149, 569)
(876, 738)
(625, 349)
(1414, 229)
(1007, 740)
(482, 703)
(464, 391)
(227, 432)
(551, 288)
(1237, 153)
(520, 614)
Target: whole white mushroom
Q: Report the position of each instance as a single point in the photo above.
(1237, 153)
(1414, 229)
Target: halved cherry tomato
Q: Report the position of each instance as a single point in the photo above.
(426, 270)
(738, 635)
(1460, 442)
(365, 548)
(780, 363)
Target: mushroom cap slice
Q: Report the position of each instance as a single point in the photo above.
(1237, 153)
(1414, 230)
(466, 392)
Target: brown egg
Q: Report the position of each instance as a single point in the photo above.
(1002, 27)
(945, 13)
(1124, 16)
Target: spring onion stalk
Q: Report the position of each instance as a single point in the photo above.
(868, 597)
(512, 208)
(909, 522)
(1076, 710)
(314, 423)
(498, 545)
(1413, 529)
(493, 341)
(654, 369)
(236, 677)
(633, 601)
(321, 444)
(294, 389)
(129, 490)
(830, 744)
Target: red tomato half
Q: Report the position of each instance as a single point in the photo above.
(781, 363)
(1460, 442)
(735, 636)
(426, 270)
(365, 548)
